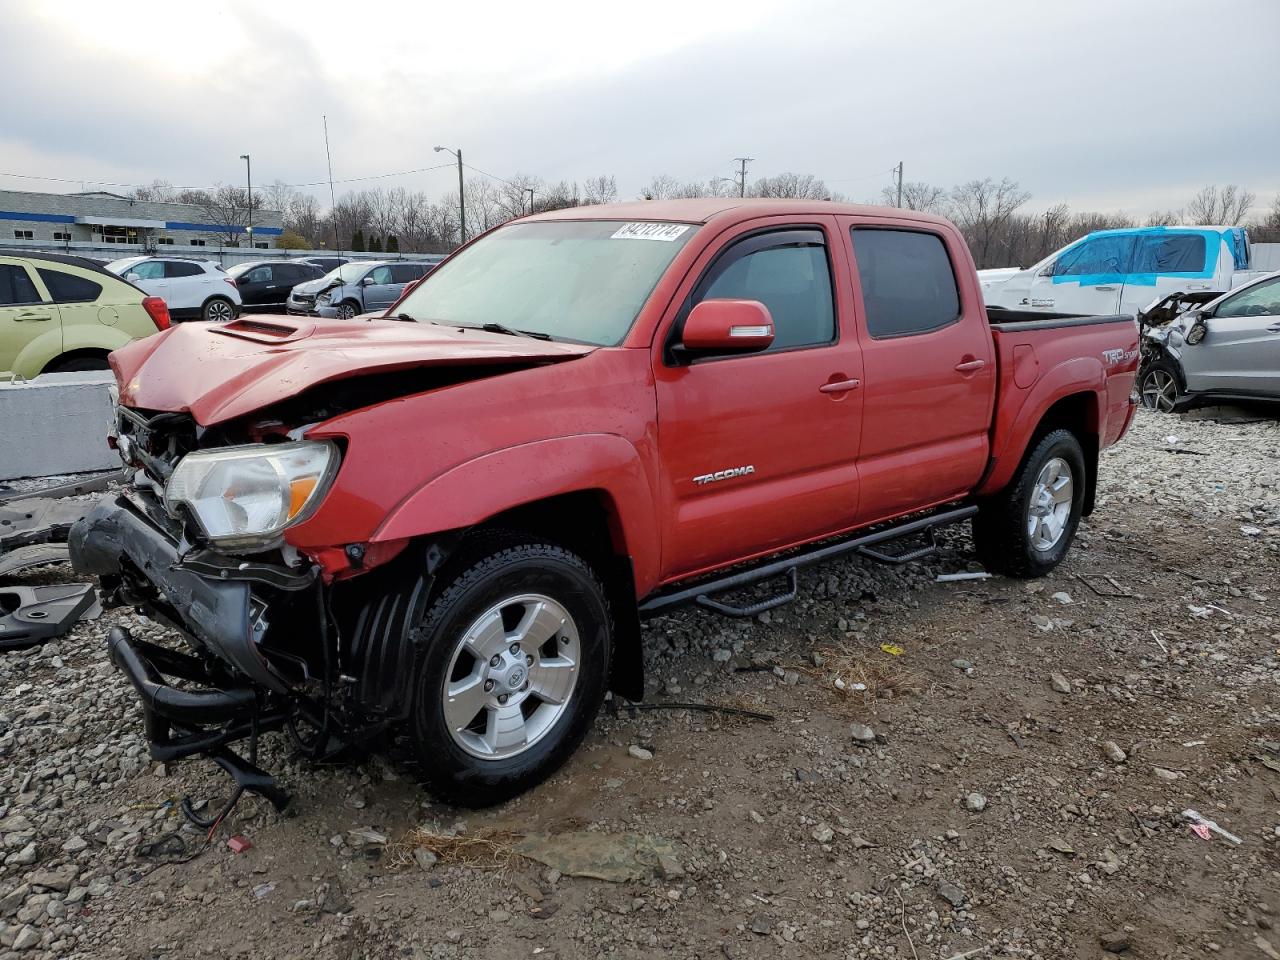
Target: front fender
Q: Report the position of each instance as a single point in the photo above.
(472, 492)
(1016, 427)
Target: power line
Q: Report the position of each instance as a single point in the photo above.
(315, 183)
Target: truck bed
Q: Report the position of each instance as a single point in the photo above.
(1012, 321)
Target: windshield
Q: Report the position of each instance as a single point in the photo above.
(240, 268)
(572, 280)
(347, 273)
(119, 267)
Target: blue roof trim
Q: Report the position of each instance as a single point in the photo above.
(213, 228)
(36, 217)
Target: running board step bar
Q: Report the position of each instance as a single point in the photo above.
(865, 545)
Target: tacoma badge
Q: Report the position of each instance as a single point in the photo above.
(724, 474)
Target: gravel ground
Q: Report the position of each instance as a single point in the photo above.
(1011, 782)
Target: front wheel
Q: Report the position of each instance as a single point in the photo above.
(1026, 530)
(514, 657)
(1159, 386)
(347, 310)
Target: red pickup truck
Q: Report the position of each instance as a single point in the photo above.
(447, 523)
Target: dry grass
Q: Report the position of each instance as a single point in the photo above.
(487, 849)
(879, 676)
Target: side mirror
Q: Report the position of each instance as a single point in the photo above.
(132, 277)
(1195, 333)
(367, 282)
(728, 326)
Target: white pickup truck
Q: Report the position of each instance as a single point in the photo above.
(1122, 271)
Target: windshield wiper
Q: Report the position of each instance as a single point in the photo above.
(499, 328)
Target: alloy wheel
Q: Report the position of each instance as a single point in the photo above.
(1050, 507)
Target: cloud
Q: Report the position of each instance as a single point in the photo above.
(1097, 104)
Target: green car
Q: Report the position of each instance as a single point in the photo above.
(59, 314)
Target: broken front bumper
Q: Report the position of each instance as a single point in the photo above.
(214, 605)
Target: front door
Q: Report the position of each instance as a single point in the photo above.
(380, 294)
(1086, 278)
(759, 451)
(27, 323)
(1240, 352)
(930, 368)
(257, 285)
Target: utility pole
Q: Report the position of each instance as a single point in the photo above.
(899, 170)
(742, 176)
(462, 203)
(248, 176)
(529, 191)
(333, 204)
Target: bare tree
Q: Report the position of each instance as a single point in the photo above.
(1220, 205)
(601, 189)
(1267, 230)
(302, 216)
(661, 187)
(791, 185)
(225, 209)
(161, 190)
(483, 209)
(981, 209)
(1164, 218)
(917, 195)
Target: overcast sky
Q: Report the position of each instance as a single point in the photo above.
(1102, 105)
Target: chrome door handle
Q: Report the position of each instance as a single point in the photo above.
(1275, 327)
(1104, 288)
(34, 316)
(969, 366)
(840, 386)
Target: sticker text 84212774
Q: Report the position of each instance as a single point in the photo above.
(650, 231)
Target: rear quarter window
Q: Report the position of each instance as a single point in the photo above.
(70, 288)
(908, 283)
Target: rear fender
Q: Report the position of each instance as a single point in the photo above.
(1079, 376)
(38, 352)
(475, 491)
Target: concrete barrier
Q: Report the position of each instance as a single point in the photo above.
(57, 424)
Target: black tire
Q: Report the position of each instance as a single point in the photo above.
(77, 365)
(1001, 530)
(1161, 385)
(499, 569)
(218, 310)
(348, 309)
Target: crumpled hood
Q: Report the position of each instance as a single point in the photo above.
(218, 372)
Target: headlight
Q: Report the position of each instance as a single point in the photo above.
(323, 298)
(245, 496)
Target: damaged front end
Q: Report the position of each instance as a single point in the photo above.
(272, 644)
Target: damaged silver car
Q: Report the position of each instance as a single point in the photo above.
(1225, 349)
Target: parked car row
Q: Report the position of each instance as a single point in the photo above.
(61, 313)
(356, 288)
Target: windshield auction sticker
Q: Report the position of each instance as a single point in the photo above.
(650, 231)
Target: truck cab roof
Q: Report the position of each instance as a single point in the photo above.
(728, 209)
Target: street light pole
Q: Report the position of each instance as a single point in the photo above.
(529, 191)
(248, 176)
(462, 201)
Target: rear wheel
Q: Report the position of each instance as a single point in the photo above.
(514, 658)
(1027, 529)
(1159, 386)
(218, 310)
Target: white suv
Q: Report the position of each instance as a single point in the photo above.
(192, 289)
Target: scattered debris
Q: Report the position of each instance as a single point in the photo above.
(975, 802)
(1165, 774)
(1061, 846)
(1251, 531)
(614, 857)
(239, 843)
(366, 836)
(1113, 752)
(1062, 597)
(1102, 585)
(639, 752)
(892, 649)
(33, 615)
(822, 833)
(1059, 683)
(262, 889)
(953, 577)
(32, 555)
(1195, 817)
(951, 893)
(861, 733)
(490, 849)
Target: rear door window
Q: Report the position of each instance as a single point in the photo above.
(69, 288)
(406, 272)
(1169, 253)
(179, 268)
(908, 283)
(16, 287)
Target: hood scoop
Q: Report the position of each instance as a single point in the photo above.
(259, 330)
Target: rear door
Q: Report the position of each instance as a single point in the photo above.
(1086, 278)
(929, 367)
(383, 290)
(1169, 261)
(76, 297)
(1240, 352)
(26, 317)
(755, 454)
(189, 284)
